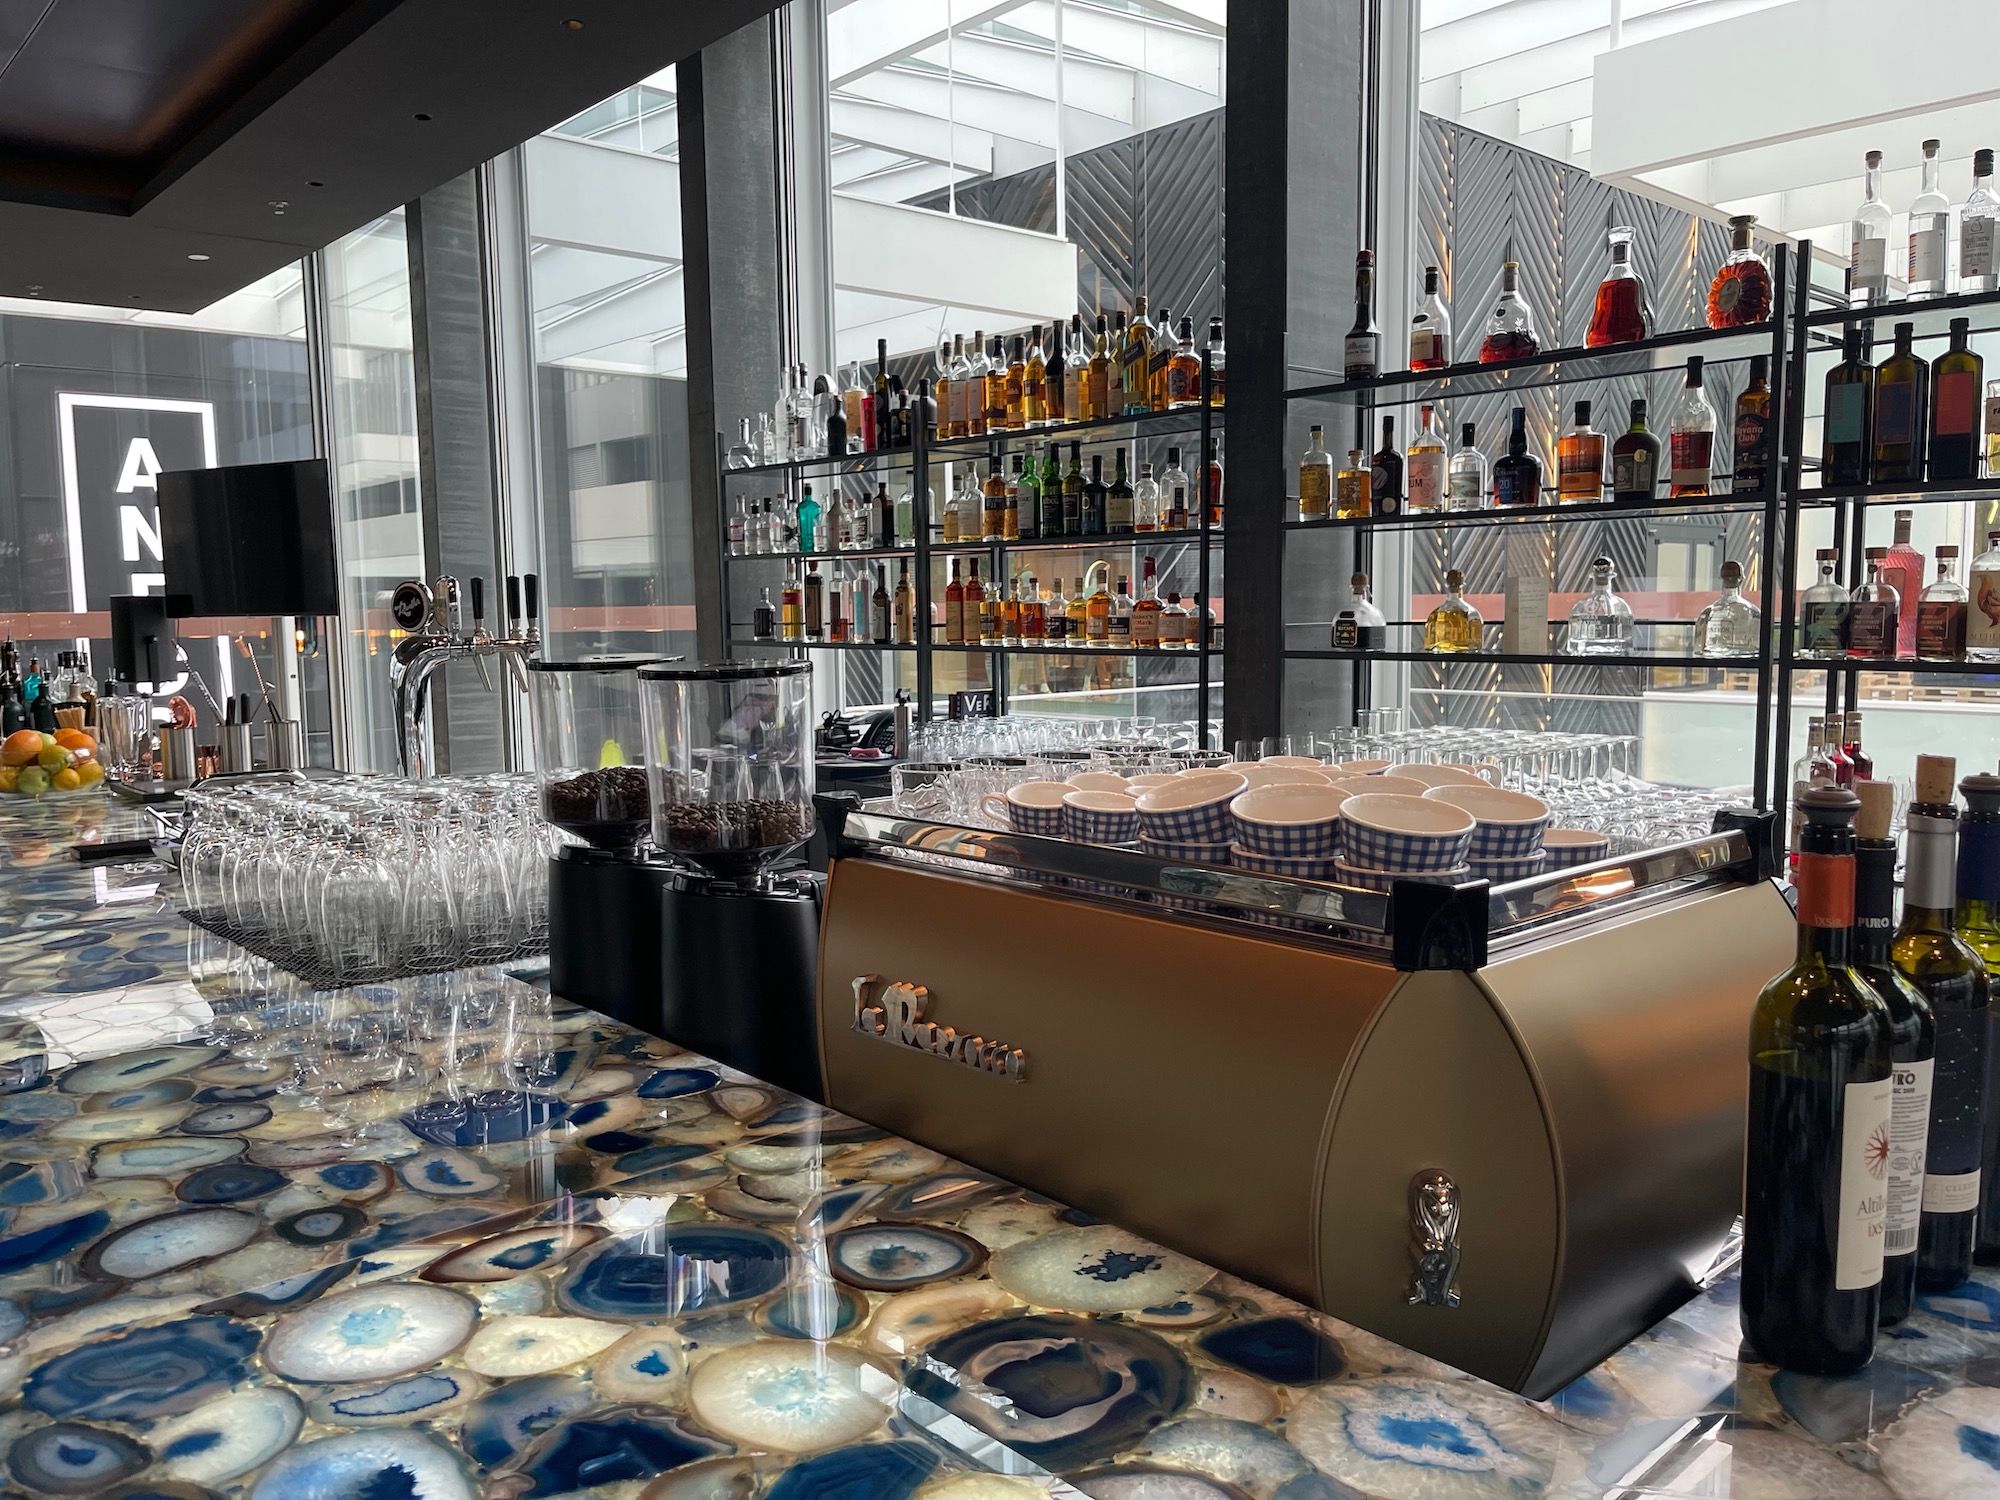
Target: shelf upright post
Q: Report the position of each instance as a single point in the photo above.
(1201, 568)
(1792, 440)
(722, 563)
(1781, 413)
(920, 542)
(996, 660)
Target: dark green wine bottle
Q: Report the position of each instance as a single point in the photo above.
(1847, 441)
(1815, 1189)
(1902, 395)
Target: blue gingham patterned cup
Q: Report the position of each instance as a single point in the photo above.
(1507, 841)
(1271, 864)
(1193, 854)
(1289, 821)
(1565, 847)
(1501, 871)
(1404, 833)
(1099, 818)
(1381, 880)
(1195, 810)
(1510, 825)
(1033, 807)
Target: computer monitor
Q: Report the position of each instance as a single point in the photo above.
(253, 539)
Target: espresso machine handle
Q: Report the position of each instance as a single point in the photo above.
(513, 604)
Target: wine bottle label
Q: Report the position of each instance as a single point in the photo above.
(1825, 886)
(1909, 1127)
(1975, 247)
(1691, 456)
(1426, 471)
(1358, 353)
(1867, 263)
(1957, 1193)
(1895, 412)
(1846, 411)
(1864, 1197)
(1941, 628)
(1871, 628)
(1927, 250)
(1957, 403)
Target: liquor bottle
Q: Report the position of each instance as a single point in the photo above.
(1510, 329)
(977, 606)
(1055, 405)
(1076, 372)
(1146, 501)
(1820, 1109)
(905, 605)
(739, 526)
(1072, 502)
(1976, 919)
(1175, 514)
(763, 627)
(836, 430)
(1868, 241)
(1032, 632)
(1517, 473)
(1873, 611)
(1902, 391)
(1118, 500)
(1160, 358)
(1097, 382)
(1751, 458)
(954, 508)
(1096, 614)
(743, 453)
(1600, 623)
(1010, 615)
(1114, 379)
(1454, 626)
(1362, 350)
(989, 610)
(1035, 382)
(1385, 477)
(1635, 461)
(1940, 964)
(1352, 499)
(1360, 625)
(1621, 315)
(1850, 743)
(954, 608)
(1691, 437)
(993, 505)
(1120, 637)
(1010, 505)
(1315, 478)
(1982, 616)
(883, 523)
(1135, 360)
(1014, 386)
(1048, 493)
(1930, 233)
(1912, 1042)
(1096, 496)
(952, 407)
(1978, 217)
(1471, 477)
(809, 517)
(815, 603)
(1741, 292)
(1212, 477)
(1184, 367)
(882, 615)
(1176, 625)
(1430, 328)
(1146, 610)
(1426, 463)
(1941, 610)
(1956, 379)
(996, 386)
(1025, 492)
(1728, 624)
(1835, 750)
(883, 393)
(906, 512)
(1580, 461)
(792, 607)
(1217, 363)
(1847, 442)
(1823, 612)
(1055, 614)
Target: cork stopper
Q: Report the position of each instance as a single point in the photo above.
(1878, 808)
(1937, 775)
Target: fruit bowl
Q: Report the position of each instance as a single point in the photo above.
(37, 764)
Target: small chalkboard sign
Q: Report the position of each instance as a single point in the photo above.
(975, 703)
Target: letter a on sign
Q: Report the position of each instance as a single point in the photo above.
(142, 467)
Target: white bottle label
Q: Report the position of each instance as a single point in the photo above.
(1956, 1194)
(1425, 471)
(1868, 263)
(1864, 1195)
(1358, 350)
(1982, 620)
(1909, 1129)
(1422, 342)
(1467, 493)
(1927, 252)
(1975, 247)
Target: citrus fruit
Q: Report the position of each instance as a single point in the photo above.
(66, 780)
(7, 777)
(75, 739)
(52, 758)
(90, 772)
(21, 747)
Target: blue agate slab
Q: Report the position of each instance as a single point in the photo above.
(672, 1083)
(73, 1458)
(34, 1247)
(610, 1446)
(697, 1266)
(880, 1471)
(154, 1371)
(386, 1463)
(504, 1421)
(1287, 1351)
(278, 1296)
(231, 1182)
(485, 1119)
(225, 1119)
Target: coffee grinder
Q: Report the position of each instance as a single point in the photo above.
(604, 882)
(729, 758)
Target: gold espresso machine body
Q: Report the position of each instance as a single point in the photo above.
(1503, 1128)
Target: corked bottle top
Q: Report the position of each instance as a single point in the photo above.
(1878, 809)
(1936, 776)
(1982, 792)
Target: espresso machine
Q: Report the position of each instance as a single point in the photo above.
(729, 761)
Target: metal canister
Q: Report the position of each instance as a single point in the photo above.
(177, 752)
(236, 752)
(281, 745)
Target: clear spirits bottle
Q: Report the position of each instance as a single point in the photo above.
(1176, 624)
(1360, 625)
(1691, 437)
(1741, 292)
(1425, 463)
(1471, 477)
(1941, 610)
(739, 526)
(1823, 612)
(1868, 241)
(1930, 233)
(1430, 328)
(1146, 501)
(1119, 637)
(1872, 612)
(1510, 327)
(1580, 461)
(743, 453)
(1982, 616)
(1728, 623)
(1315, 478)
(1175, 512)
(1600, 623)
(1218, 365)
(1978, 218)
(1454, 626)
(1621, 315)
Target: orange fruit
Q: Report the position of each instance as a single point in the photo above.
(75, 739)
(90, 773)
(66, 780)
(21, 747)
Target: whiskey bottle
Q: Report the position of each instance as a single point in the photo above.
(1217, 364)
(1517, 473)
(1580, 461)
(882, 615)
(1820, 1112)
(978, 607)
(1430, 328)
(1014, 391)
(1096, 496)
(1352, 499)
(952, 409)
(1471, 476)
(1120, 637)
(1055, 409)
(1741, 292)
(1930, 233)
(1691, 437)
(1176, 625)
(1510, 328)
(792, 607)
(1728, 624)
(1454, 626)
(1954, 426)
(1751, 459)
(1385, 476)
(1135, 360)
(1160, 359)
(1114, 382)
(1035, 382)
(815, 603)
(1212, 481)
(996, 386)
(989, 609)
(1426, 463)
(1033, 630)
(1146, 611)
(763, 627)
(905, 605)
(1635, 461)
(1055, 614)
(1902, 389)
(1010, 615)
(1184, 367)
(1872, 612)
(1072, 494)
(1868, 241)
(1097, 390)
(1174, 512)
(1118, 500)
(1362, 349)
(1823, 612)
(1146, 501)
(1315, 478)
(1076, 372)
(1939, 963)
(954, 608)
(1847, 441)
(1941, 611)
(1021, 519)
(1978, 216)
(1621, 314)
(1096, 614)
(1048, 493)
(1982, 616)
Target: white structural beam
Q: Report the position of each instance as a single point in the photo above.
(638, 328)
(907, 133)
(894, 250)
(865, 35)
(996, 111)
(602, 198)
(1188, 55)
(901, 183)
(1098, 87)
(564, 274)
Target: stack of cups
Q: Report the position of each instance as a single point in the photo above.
(1188, 818)
(1389, 836)
(1290, 829)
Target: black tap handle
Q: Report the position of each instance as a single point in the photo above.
(513, 600)
(478, 600)
(532, 583)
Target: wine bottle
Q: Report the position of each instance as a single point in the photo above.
(1977, 919)
(1847, 440)
(1952, 978)
(1902, 391)
(1815, 1188)
(1912, 1041)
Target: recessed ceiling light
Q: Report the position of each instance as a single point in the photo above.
(197, 255)
(572, 24)
(315, 184)
(420, 117)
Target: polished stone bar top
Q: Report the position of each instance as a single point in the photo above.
(449, 1239)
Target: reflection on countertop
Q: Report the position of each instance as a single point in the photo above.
(448, 1238)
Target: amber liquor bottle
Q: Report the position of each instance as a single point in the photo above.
(1752, 437)
(1902, 392)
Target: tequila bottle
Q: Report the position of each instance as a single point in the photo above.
(1454, 627)
(1930, 233)
(1471, 477)
(1941, 610)
(1728, 623)
(1360, 625)
(1982, 615)
(1823, 612)
(1978, 217)
(1868, 241)
(1600, 623)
